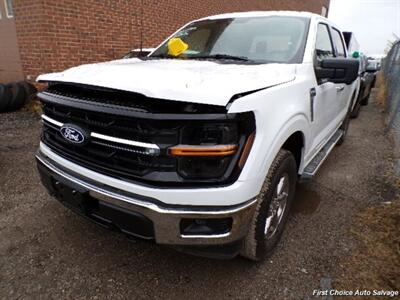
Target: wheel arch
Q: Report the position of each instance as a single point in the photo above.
(294, 135)
(295, 144)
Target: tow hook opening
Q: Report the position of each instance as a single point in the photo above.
(194, 227)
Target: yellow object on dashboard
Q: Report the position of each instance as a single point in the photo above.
(176, 46)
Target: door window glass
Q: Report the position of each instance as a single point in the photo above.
(323, 45)
(339, 43)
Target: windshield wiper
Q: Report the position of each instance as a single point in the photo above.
(222, 56)
(212, 56)
(162, 55)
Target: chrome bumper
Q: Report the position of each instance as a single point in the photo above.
(166, 220)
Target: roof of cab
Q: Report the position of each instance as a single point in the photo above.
(250, 14)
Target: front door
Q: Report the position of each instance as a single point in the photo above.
(328, 99)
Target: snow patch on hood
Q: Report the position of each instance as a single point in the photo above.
(195, 81)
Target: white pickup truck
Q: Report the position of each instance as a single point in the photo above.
(200, 144)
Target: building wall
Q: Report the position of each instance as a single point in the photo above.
(54, 35)
(10, 63)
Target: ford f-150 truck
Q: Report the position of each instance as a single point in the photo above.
(200, 144)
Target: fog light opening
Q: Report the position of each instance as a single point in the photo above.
(194, 227)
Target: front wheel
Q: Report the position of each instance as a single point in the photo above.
(273, 205)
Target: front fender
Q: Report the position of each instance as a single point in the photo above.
(279, 112)
(267, 146)
(297, 123)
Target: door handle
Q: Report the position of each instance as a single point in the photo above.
(340, 88)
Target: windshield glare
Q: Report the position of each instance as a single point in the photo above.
(259, 39)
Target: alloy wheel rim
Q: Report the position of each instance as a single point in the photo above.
(277, 207)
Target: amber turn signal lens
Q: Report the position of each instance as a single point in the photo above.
(246, 150)
(189, 150)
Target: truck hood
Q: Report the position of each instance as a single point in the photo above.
(195, 81)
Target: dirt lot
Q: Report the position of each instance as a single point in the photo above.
(46, 251)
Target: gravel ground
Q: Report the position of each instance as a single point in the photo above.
(46, 251)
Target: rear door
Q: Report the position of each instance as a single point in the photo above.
(344, 90)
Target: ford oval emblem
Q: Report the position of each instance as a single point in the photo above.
(73, 134)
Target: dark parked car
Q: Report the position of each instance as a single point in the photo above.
(366, 72)
(367, 82)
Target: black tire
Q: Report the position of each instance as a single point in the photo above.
(18, 97)
(29, 89)
(5, 97)
(260, 241)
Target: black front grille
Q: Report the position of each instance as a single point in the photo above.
(121, 160)
(114, 159)
(144, 130)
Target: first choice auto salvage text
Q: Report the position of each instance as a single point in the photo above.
(334, 292)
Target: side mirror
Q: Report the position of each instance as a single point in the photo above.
(337, 70)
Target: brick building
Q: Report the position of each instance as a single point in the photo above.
(38, 36)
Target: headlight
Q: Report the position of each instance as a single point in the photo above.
(210, 134)
(206, 150)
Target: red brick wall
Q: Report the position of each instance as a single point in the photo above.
(54, 35)
(10, 64)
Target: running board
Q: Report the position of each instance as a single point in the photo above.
(313, 166)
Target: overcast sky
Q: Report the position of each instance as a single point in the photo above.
(372, 21)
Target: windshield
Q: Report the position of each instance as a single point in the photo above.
(259, 39)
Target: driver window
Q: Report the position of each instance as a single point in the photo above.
(324, 44)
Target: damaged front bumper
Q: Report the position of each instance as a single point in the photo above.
(147, 218)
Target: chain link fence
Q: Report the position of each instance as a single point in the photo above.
(391, 72)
